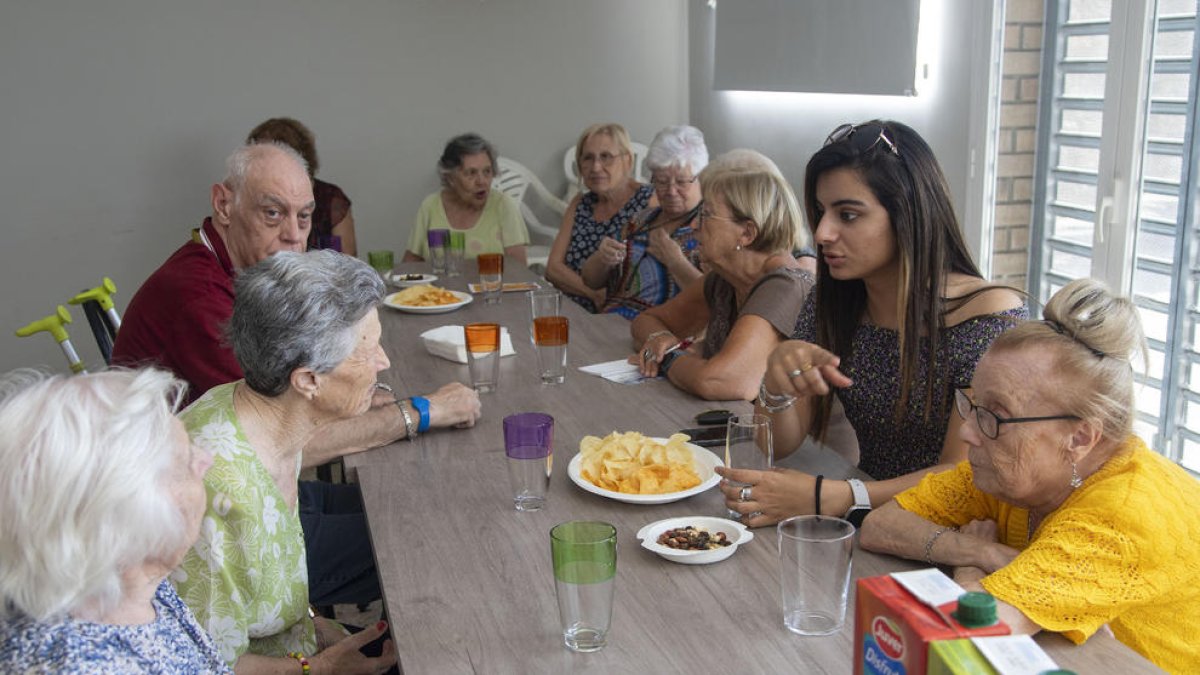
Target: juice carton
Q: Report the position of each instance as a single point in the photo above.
(895, 620)
(999, 655)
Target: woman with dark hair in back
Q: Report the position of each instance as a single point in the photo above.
(899, 317)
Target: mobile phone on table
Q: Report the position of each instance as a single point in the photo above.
(713, 417)
(706, 436)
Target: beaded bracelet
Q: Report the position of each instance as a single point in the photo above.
(657, 333)
(934, 537)
(304, 667)
(410, 429)
(773, 403)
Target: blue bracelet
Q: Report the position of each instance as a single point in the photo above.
(421, 405)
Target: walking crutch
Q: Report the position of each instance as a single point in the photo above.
(101, 315)
(53, 325)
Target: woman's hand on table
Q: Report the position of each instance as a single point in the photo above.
(454, 405)
(343, 656)
(773, 495)
(653, 350)
(801, 369)
(992, 554)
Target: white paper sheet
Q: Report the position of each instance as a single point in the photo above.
(619, 371)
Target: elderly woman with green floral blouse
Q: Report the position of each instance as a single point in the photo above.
(306, 331)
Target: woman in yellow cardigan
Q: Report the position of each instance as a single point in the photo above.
(1060, 512)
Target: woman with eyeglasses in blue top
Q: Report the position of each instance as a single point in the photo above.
(899, 317)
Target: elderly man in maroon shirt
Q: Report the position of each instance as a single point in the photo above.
(175, 320)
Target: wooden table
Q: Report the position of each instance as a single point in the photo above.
(467, 579)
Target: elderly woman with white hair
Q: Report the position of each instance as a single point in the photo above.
(101, 496)
(306, 331)
(1061, 512)
(654, 256)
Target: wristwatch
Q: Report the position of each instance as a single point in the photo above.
(862, 502)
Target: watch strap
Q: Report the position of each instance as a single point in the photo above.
(862, 498)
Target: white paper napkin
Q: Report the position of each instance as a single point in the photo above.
(450, 343)
(619, 371)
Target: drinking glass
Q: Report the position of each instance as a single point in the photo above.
(456, 248)
(491, 276)
(382, 261)
(584, 555)
(529, 446)
(814, 572)
(483, 355)
(747, 446)
(437, 249)
(549, 334)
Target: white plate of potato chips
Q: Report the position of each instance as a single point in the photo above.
(638, 469)
(426, 299)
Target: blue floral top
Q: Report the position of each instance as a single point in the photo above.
(587, 232)
(172, 643)
(642, 281)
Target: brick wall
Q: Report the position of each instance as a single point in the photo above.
(1017, 139)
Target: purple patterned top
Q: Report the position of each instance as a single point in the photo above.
(587, 232)
(172, 643)
(885, 449)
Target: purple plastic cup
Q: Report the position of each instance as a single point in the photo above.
(529, 445)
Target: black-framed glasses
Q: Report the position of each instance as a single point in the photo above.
(862, 137)
(662, 184)
(989, 422)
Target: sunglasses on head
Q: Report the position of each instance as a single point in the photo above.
(862, 137)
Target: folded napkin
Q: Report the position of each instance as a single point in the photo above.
(450, 343)
(619, 371)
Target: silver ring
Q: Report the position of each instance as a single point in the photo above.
(648, 355)
(795, 373)
(744, 495)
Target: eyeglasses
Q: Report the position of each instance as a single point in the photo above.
(705, 215)
(664, 184)
(871, 135)
(604, 158)
(989, 422)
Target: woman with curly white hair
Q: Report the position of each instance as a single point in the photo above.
(100, 497)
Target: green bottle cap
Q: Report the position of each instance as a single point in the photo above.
(976, 610)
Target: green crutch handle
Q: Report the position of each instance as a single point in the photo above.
(101, 294)
(52, 324)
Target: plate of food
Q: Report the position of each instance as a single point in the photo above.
(694, 540)
(412, 279)
(426, 299)
(637, 469)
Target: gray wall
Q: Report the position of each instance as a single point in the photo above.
(791, 127)
(116, 116)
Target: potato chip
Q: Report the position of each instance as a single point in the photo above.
(425, 296)
(634, 464)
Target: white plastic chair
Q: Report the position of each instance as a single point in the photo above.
(573, 181)
(515, 180)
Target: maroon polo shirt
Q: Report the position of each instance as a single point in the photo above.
(176, 319)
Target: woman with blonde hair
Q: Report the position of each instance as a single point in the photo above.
(1060, 511)
(749, 298)
(612, 198)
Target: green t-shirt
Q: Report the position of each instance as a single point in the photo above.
(499, 225)
(246, 577)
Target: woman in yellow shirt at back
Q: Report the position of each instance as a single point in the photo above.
(1060, 512)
